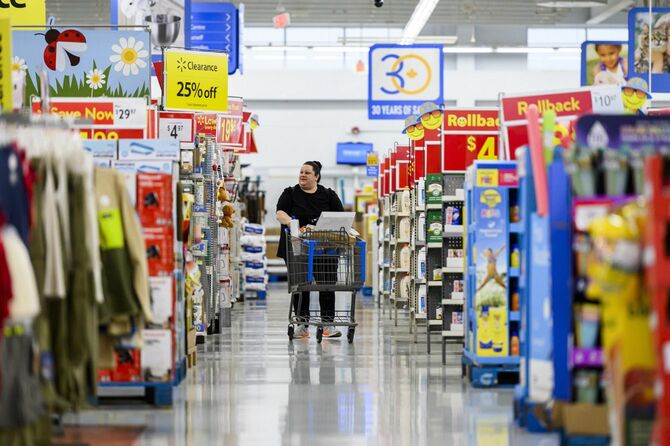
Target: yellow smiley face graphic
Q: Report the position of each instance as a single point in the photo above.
(633, 99)
(415, 132)
(432, 120)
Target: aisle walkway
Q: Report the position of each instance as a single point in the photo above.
(252, 387)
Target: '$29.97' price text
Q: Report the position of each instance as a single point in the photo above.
(194, 90)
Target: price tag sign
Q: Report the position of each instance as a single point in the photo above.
(469, 135)
(229, 128)
(607, 99)
(103, 113)
(178, 126)
(196, 80)
(372, 169)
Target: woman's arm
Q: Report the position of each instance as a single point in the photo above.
(283, 218)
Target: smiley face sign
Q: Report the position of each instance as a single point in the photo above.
(414, 128)
(431, 116)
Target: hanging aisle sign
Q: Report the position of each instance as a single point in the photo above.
(469, 135)
(196, 80)
(24, 12)
(402, 78)
(216, 26)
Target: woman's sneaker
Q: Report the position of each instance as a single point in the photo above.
(331, 332)
(300, 332)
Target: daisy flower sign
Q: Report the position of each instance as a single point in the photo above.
(84, 62)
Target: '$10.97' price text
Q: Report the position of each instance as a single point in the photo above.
(194, 90)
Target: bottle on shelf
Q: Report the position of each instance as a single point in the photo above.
(514, 344)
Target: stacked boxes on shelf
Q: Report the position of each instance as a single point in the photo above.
(453, 260)
(492, 343)
(151, 173)
(254, 259)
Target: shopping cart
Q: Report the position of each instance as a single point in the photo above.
(324, 261)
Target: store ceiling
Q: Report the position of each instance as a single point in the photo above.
(362, 12)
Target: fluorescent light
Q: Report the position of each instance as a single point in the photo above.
(333, 57)
(278, 48)
(468, 49)
(415, 24)
(573, 3)
(523, 50)
(569, 50)
(341, 49)
(609, 12)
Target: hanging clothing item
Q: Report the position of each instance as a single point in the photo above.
(14, 202)
(125, 272)
(25, 304)
(62, 201)
(20, 403)
(5, 286)
(54, 274)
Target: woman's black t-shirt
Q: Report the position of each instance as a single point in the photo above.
(306, 208)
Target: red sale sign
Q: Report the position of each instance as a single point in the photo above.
(229, 129)
(568, 106)
(469, 135)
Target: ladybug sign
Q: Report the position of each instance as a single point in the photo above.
(63, 48)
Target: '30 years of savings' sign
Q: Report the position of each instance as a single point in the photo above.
(402, 78)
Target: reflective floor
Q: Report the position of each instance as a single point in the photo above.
(252, 387)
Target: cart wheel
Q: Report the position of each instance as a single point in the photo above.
(350, 335)
(319, 334)
(290, 332)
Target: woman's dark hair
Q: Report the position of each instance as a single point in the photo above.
(317, 168)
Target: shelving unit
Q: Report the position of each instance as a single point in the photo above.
(418, 272)
(491, 345)
(452, 299)
(401, 254)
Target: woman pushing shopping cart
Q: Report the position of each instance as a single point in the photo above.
(322, 261)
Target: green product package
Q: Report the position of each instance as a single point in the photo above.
(434, 226)
(434, 188)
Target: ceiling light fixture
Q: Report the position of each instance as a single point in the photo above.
(523, 50)
(572, 3)
(341, 49)
(609, 12)
(422, 12)
(468, 49)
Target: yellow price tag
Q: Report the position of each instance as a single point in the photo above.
(24, 12)
(5, 66)
(373, 159)
(196, 80)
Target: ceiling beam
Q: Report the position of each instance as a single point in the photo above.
(609, 11)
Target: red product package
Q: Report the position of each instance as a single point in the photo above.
(159, 241)
(154, 198)
(128, 367)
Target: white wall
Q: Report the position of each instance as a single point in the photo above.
(304, 114)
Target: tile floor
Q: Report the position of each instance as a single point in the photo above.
(252, 387)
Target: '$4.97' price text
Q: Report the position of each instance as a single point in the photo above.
(194, 90)
(487, 151)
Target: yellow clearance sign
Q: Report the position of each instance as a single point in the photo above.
(196, 80)
(5, 65)
(24, 12)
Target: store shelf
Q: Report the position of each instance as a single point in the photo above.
(400, 270)
(449, 198)
(402, 214)
(515, 316)
(435, 283)
(402, 241)
(490, 360)
(434, 245)
(435, 322)
(514, 272)
(453, 333)
(515, 228)
(587, 357)
(434, 206)
(420, 316)
(452, 270)
(419, 282)
(452, 302)
(419, 209)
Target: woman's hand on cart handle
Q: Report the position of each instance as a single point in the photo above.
(303, 229)
(283, 218)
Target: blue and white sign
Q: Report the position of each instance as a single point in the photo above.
(216, 26)
(402, 78)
